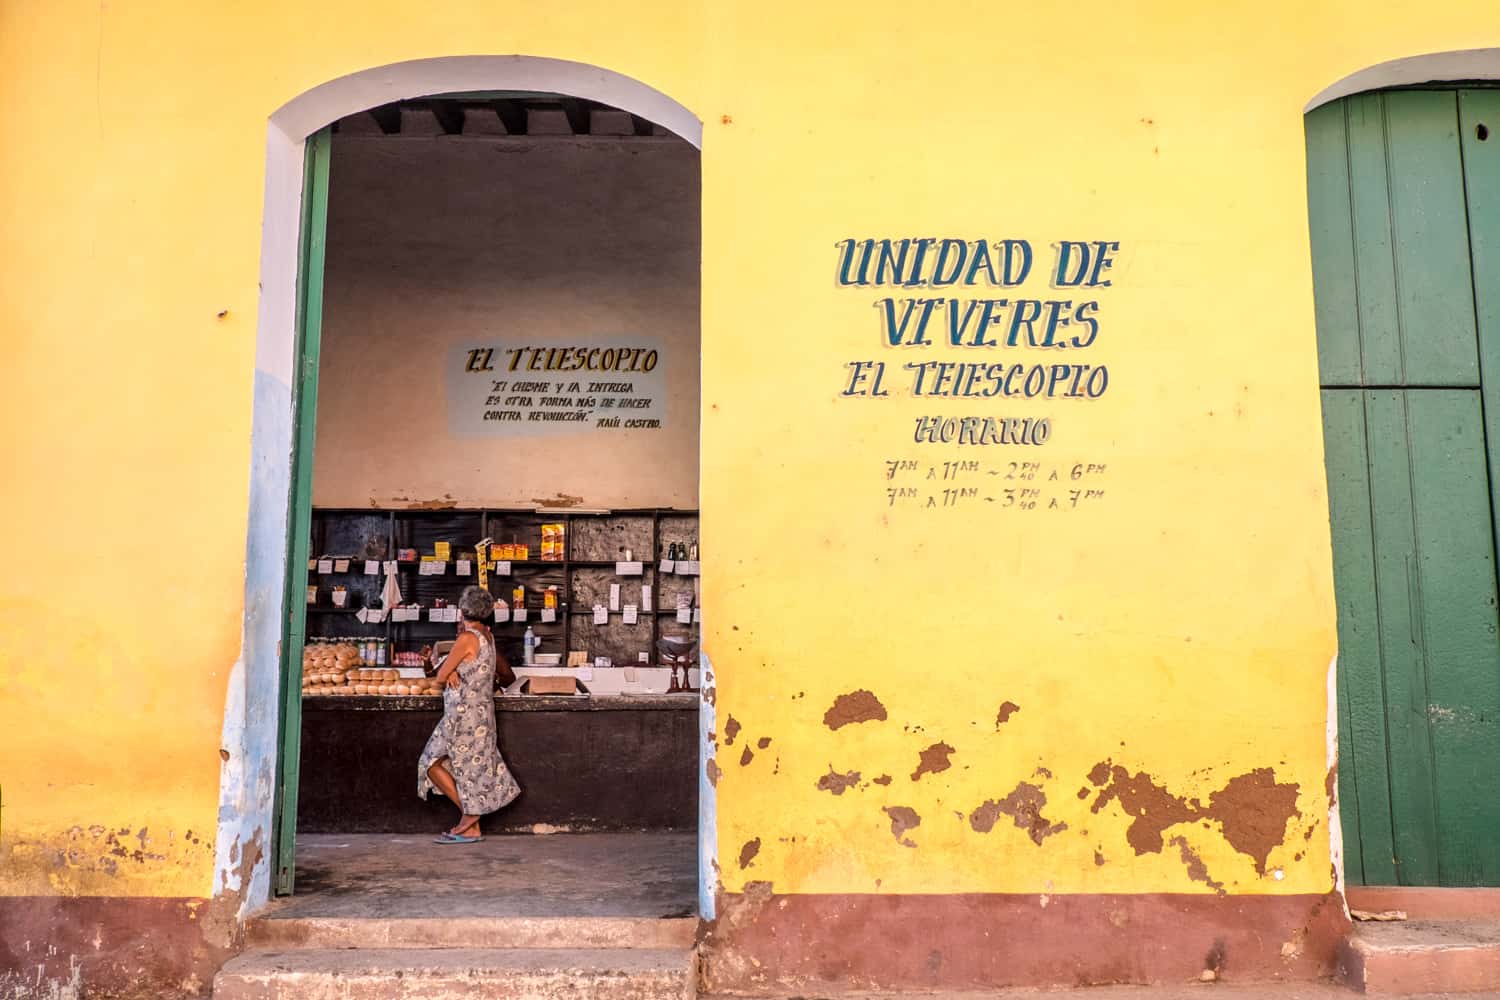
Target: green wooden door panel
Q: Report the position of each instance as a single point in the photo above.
(1430, 232)
(1364, 795)
(1392, 275)
(1375, 264)
(1413, 818)
(1455, 703)
(1481, 109)
(299, 521)
(1334, 289)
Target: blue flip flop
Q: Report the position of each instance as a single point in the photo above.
(454, 838)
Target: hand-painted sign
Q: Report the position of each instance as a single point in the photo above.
(522, 388)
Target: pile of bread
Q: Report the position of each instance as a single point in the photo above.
(335, 669)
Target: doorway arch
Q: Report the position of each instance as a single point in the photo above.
(250, 742)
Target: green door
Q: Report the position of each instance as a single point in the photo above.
(1405, 226)
(299, 504)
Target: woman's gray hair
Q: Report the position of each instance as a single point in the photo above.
(476, 604)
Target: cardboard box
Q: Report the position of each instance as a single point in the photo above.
(552, 685)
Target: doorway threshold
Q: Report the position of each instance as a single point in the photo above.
(592, 890)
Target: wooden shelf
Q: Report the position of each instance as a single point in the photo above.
(356, 530)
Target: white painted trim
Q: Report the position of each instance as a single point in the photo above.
(1331, 762)
(325, 104)
(1435, 67)
(252, 704)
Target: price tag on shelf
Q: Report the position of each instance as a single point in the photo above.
(437, 614)
(363, 614)
(501, 568)
(601, 615)
(689, 568)
(372, 567)
(684, 615)
(438, 567)
(461, 567)
(390, 565)
(549, 614)
(341, 565)
(631, 614)
(668, 566)
(697, 615)
(614, 597)
(325, 565)
(646, 597)
(518, 615)
(630, 568)
(502, 614)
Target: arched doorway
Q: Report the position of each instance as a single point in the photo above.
(1405, 228)
(254, 791)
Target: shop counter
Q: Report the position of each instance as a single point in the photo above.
(601, 762)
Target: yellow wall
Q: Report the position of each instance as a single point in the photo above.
(1182, 628)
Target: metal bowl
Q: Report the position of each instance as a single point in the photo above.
(674, 647)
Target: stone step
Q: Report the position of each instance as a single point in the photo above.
(473, 973)
(274, 932)
(1410, 957)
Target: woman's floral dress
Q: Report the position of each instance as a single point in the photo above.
(468, 738)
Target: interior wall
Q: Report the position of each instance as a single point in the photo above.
(440, 246)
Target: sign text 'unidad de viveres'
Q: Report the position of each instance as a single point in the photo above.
(910, 318)
(550, 388)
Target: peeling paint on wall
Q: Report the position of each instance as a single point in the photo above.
(854, 707)
(838, 783)
(933, 759)
(1253, 809)
(903, 818)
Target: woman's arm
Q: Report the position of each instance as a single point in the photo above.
(464, 650)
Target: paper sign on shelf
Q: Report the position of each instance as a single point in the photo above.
(601, 615)
(372, 567)
(325, 565)
(518, 615)
(688, 568)
(502, 614)
(341, 565)
(668, 566)
(549, 614)
(684, 615)
(646, 597)
(614, 597)
(630, 614)
(501, 568)
(437, 614)
(697, 615)
(461, 567)
(390, 565)
(363, 615)
(630, 568)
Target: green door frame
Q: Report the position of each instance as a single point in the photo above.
(311, 253)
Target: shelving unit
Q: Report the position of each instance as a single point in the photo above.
(595, 543)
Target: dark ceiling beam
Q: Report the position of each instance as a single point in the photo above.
(513, 115)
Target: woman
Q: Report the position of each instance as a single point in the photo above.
(462, 759)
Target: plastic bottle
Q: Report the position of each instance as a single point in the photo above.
(529, 653)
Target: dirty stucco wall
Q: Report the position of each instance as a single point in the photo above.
(1163, 651)
(440, 244)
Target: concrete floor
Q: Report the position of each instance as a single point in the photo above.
(524, 875)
